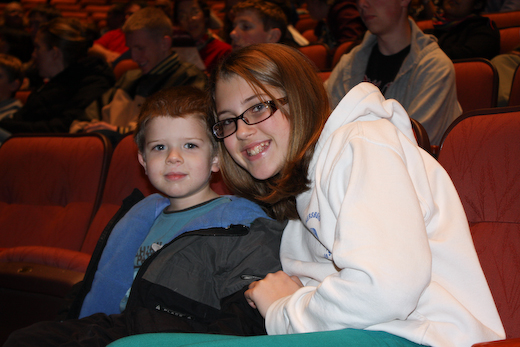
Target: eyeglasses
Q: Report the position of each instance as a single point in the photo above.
(253, 115)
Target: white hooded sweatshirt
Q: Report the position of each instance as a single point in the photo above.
(382, 242)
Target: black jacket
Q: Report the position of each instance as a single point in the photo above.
(196, 282)
(53, 107)
(475, 37)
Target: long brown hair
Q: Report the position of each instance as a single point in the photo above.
(286, 69)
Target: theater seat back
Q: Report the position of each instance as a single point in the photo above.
(49, 188)
(480, 153)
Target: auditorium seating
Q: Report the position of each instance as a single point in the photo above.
(49, 192)
(318, 54)
(509, 39)
(477, 83)
(514, 95)
(344, 48)
(421, 136)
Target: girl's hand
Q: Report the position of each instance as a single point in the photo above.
(261, 294)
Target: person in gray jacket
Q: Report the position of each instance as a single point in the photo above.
(404, 63)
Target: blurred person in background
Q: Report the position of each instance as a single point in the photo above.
(338, 21)
(149, 37)
(112, 45)
(463, 33)
(74, 80)
(193, 16)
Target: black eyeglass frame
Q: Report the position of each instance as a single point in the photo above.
(269, 103)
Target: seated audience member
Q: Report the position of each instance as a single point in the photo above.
(14, 37)
(113, 43)
(422, 9)
(14, 16)
(193, 16)
(339, 21)
(10, 82)
(115, 17)
(74, 80)
(148, 36)
(404, 63)
(41, 14)
(257, 22)
(502, 6)
(206, 248)
(292, 35)
(463, 33)
(37, 16)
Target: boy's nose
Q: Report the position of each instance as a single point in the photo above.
(174, 157)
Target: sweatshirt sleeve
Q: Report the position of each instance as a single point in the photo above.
(372, 223)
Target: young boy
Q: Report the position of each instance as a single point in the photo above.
(10, 82)
(192, 253)
(257, 22)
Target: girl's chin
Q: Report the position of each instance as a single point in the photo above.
(263, 175)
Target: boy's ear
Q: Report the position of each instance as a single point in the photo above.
(14, 85)
(274, 35)
(166, 43)
(142, 162)
(56, 53)
(215, 165)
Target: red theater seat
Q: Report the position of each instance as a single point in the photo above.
(480, 152)
(49, 190)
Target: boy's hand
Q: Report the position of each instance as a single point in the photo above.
(261, 294)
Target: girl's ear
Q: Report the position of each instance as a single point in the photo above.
(214, 164)
(142, 161)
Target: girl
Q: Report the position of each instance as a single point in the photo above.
(377, 237)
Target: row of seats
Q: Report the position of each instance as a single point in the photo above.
(57, 194)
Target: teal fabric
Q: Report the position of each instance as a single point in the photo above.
(346, 337)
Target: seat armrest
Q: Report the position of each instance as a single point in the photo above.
(55, 257)
(38, 278)
(499, 343)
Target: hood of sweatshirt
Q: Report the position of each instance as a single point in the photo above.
(365, 102)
